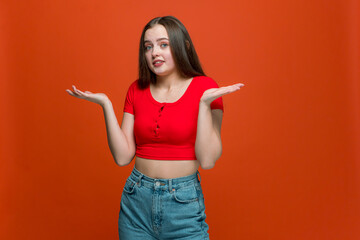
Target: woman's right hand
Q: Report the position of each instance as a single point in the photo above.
(99, 98)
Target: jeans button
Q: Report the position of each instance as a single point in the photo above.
(157, 183)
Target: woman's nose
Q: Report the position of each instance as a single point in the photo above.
(155, 51)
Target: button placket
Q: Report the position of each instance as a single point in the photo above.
(156, 125)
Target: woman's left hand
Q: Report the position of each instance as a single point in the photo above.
(214, 93)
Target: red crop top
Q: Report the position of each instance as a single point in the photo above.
(167, 131)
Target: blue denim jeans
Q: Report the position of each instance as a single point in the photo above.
(162, 208)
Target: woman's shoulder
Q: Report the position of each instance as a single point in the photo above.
(206, 81)
(134, 86)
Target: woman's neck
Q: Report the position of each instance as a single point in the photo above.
(170, 81)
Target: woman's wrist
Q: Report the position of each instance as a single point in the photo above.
(106, 102)
(204, 104)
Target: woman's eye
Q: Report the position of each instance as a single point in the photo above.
(148, 47)
(164, 45)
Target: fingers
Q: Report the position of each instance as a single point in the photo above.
(235, 87)
(231, 88)
(69, 92)
(228, 89)
(76, 92)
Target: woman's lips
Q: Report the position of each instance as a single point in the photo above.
(158, 63)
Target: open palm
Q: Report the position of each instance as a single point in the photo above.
(214, 93)
(99, 98)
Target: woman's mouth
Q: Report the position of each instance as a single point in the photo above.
(158, 63)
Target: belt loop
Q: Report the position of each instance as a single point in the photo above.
(198, 173)
(139, 181)
(170, 185)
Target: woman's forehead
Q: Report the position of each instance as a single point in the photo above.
(156, 32)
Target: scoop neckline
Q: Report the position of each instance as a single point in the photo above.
(169, 103)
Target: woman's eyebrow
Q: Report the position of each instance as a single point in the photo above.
(159, 39)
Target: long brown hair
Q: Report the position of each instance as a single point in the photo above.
(182, 50)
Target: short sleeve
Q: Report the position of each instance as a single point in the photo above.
(129, 100)
(217, 103)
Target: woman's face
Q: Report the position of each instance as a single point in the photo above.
(157, 51)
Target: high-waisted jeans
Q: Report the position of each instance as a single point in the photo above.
(160, 209)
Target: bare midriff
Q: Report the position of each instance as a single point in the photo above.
(166, 168)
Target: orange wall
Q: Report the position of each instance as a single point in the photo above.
(290, 164)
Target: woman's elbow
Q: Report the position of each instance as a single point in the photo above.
(207, 166)
(121, 164)
(123, 161)
(207, 163)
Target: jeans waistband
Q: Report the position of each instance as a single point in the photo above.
(142, 179)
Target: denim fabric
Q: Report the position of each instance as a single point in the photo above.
(162, 209)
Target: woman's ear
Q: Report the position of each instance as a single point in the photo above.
(187, 44)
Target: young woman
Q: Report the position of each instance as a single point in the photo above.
(172, 120)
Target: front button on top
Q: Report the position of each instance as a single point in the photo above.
(157, 184)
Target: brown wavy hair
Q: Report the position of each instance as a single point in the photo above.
(181, 46)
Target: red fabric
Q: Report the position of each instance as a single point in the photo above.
(167, 131)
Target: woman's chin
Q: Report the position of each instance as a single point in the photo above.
(160, 73)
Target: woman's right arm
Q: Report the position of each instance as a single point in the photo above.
(121, 140)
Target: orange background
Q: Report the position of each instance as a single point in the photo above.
(290, 164)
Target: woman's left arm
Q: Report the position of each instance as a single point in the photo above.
(208, 147)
